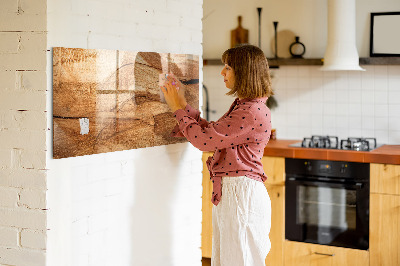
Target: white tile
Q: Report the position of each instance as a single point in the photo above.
(394, 123)
(394, 110)
(381, 84)
(381, 123)
(355, 132)
(342, 109)
(328, 74)
(329, 109)
(329, 122)
(317, 95)
(317, 131)
(316, 72)
(316, 82)
(317, 107)
(367, 83)
(367, 133)
(304, 109)
(293, 120)
(394, 97)
(329, 94)
(380, 71)
(355, 122)
(367, 96)
(394, 83)
(304, 72)
(382, 136)
(381, 97)
(342, 96)
(278, 83)
(291, 71)
(278, 72)
(368, 110)
(354, 83)
(355, 109)
(394, 70)
(355, 96)
(342, 81)
(292, 83)
(381, 110)
(317, 121)
(342, 133)
(342, 122)
(394, 137)
(304, 82)
(367, 122)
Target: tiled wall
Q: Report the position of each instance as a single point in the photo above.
(313, 102)
(135, 207)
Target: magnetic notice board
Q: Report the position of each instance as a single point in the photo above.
(385, 34)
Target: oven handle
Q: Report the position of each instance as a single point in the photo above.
(357, 185)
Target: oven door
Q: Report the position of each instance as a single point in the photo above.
(327, 213)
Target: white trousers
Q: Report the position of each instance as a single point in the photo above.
(241, 223)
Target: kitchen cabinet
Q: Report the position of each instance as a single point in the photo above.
(274, 168)
(206, 226)
(305, 254)
(385, 214)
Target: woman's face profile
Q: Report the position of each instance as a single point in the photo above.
(229, 76)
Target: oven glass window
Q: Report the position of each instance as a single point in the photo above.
(326, 207)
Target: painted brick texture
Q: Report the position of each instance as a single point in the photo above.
(23, 218)
(136, 207)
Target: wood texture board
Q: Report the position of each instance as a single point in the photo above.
(110, 100)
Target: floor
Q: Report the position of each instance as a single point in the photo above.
(206, 261)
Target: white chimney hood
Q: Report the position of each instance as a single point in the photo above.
(341, 51)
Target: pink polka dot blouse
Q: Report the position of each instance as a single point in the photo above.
(238, 139)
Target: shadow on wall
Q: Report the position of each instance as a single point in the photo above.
(155, 195)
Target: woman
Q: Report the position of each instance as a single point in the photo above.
(242, 208)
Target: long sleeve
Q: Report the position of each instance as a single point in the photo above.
(193, 113)
(229, 131)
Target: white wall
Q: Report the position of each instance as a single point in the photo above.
(135, 207)
(305, 18)
(23, 133)
(311, 102)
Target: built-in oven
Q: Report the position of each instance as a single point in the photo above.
(327, 202)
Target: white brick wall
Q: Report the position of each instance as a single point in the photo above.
(136, 207)
(23, 132)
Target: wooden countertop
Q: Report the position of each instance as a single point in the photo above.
(389, 154)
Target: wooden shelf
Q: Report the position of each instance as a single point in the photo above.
(380, 61)
(273, 63)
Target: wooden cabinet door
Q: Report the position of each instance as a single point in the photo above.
(277, 233)
(274, 168)
(305, 254)
(385, 178)
(206, 226)
(384, 236)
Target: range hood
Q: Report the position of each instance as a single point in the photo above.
(341, 51)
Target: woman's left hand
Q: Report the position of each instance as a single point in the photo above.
(171, 94)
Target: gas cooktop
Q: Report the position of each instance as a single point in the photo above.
(332, 142)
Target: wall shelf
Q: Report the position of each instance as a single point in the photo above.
(274, 63)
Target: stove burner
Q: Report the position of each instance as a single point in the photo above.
(358, 144)
(332, 142)
(328, 142)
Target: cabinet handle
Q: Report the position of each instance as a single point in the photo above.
(325, 254)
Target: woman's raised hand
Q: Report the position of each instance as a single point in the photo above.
(174, 93)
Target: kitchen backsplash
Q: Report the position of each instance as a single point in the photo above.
(314, 102)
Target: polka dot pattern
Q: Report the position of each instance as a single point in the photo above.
(238, 139)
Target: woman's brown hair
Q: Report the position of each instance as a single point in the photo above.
(250, 66)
